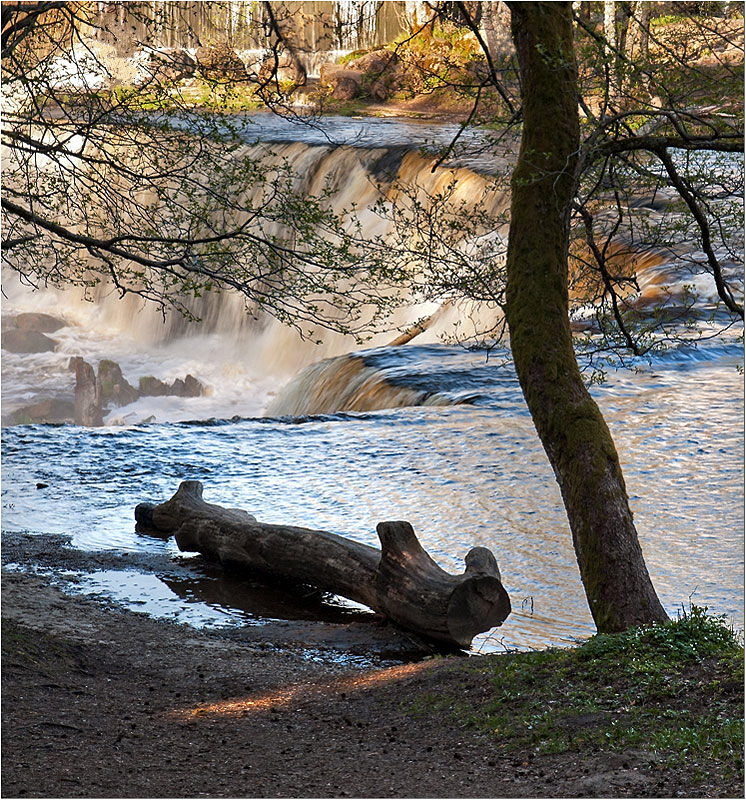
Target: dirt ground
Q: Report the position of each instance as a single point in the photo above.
(98, 701)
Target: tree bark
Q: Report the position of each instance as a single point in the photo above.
(400, 580)
(573, 431)
(638, 34)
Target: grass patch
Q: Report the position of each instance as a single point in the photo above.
(674, 689)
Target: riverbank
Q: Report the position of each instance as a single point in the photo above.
(102, 702)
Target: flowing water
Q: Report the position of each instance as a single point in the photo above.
(433, 433)
(464, 475)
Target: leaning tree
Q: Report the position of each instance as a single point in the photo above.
(571, 427)
(612, 112)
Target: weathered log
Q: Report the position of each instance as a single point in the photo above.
(400, 581)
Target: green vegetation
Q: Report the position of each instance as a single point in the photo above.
(674, 689)
(198, 93)
(438, 57)
(352, 56)
(667, 19)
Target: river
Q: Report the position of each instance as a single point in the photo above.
(447, 444)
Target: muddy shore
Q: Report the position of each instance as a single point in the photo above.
(99, 701)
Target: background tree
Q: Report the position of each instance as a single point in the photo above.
(126, 185)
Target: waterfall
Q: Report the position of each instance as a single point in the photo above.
(354, 178)
(243, 357)
(347, 383)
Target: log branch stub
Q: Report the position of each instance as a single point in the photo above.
(401, 580)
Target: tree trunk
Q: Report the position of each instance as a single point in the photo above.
(638, 35)
(400, 580)
(614, 46)
(569, 423)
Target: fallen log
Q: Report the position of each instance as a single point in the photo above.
(400, 580)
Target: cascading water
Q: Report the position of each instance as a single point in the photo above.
(342, 447)
(254, 347)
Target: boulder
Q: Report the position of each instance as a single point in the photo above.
(35, 321)
(382, 75)
(171, 65)
(345, 82)
(376, 62)
(220, 62)
(189, 387)
(115, 389)
(55, 409)
(15, 340)
(153, 387)
(346, 87)
(374, 74)
(282, 66)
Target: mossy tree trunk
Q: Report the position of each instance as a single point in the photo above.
(571, 427)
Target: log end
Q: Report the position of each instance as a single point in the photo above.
(480, 602)
(476, 605)
(414, 591)
(144, 514)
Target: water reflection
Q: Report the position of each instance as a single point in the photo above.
(209, 597)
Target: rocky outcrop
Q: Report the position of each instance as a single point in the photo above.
(189, 387)
(88, 394)
(153, 387)
(115, 389)
(375, 74)
(381, 74)
(25, 333)
(96, 394)
(55, 409)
